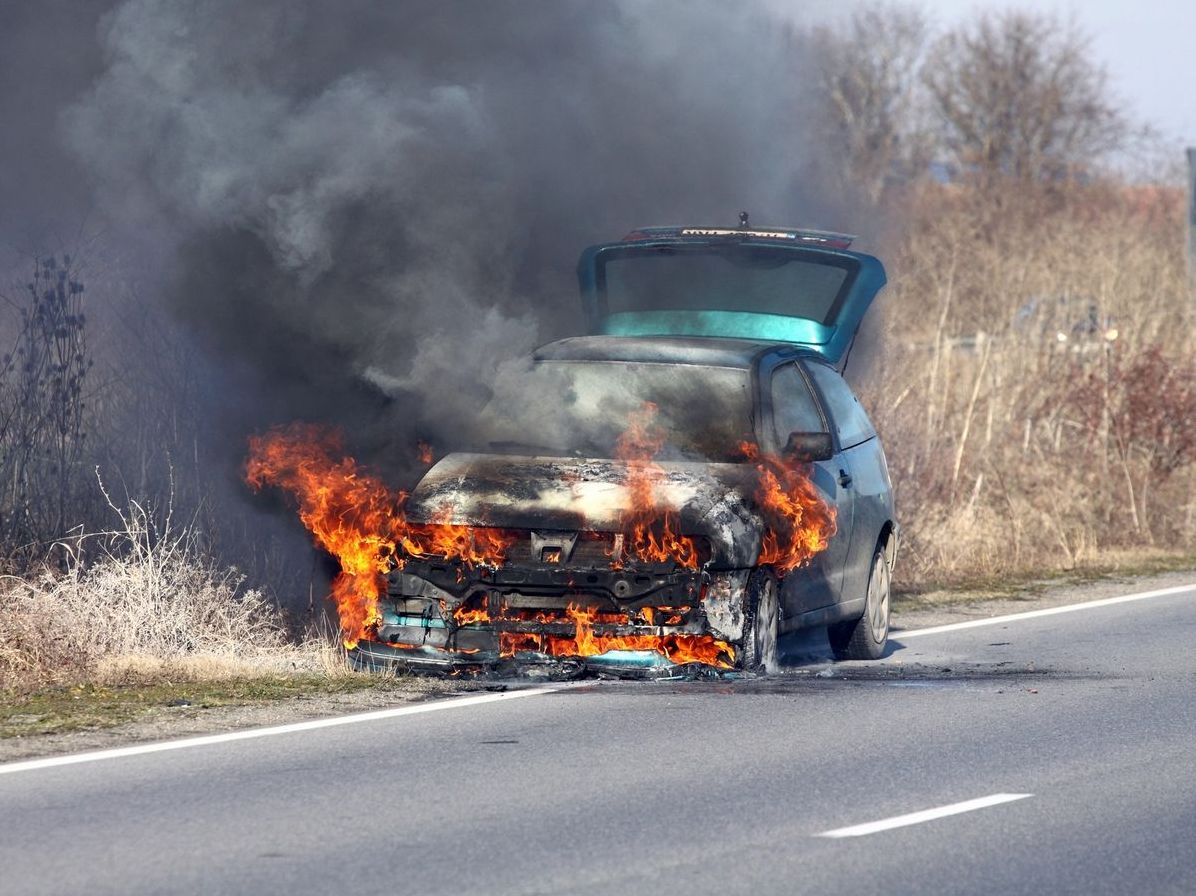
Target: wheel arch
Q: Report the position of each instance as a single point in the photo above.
(888, 541)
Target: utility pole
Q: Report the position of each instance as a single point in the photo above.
(1192, 216)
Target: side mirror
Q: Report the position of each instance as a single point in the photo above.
(808, 447)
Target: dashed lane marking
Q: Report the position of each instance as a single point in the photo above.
(901, 821)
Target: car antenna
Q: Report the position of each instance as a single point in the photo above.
(743, 221)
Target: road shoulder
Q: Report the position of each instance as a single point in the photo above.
(947, 607)
(172, 713)
(47, 724)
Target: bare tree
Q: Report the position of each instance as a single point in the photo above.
(43, 419)
(1019, 95)
(869, 75)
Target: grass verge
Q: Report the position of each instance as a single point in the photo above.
(92, 707)
(1109, 567)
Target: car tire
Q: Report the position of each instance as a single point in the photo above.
(761, 625)
(866, 638)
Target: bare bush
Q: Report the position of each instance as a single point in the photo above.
(43, 424)
(152, 603)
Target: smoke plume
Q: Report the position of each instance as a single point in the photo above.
(357, 212)
(397, 192)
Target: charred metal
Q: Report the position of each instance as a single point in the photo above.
(439, 613)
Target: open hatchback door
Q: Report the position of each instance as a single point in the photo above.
(768, 285)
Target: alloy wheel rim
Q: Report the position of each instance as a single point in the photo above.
(766, 628)
(878, 600)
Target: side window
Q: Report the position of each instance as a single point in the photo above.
(851, 421)
(793, 406)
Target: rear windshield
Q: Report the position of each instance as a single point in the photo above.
(762, 279)
(581, 408)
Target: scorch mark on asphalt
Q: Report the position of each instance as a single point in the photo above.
(901, 821)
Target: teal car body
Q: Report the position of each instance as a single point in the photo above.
(802, 287)
(730, 336)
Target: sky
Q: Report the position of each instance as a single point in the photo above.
(1145, 45)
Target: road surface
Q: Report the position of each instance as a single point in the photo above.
(1049, 754)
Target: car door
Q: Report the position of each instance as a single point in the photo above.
(796, 408)
(860, 469)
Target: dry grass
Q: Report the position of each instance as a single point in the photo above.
(1014, 449)
(151, 605)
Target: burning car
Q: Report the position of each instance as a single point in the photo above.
(680, 487)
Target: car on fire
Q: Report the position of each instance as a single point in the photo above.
(680, 487)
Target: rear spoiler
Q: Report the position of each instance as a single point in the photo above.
(826, 238)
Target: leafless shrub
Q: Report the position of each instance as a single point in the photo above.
(152, 603)
(43, 423)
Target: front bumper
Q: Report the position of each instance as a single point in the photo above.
(374, 656)
(650, 620)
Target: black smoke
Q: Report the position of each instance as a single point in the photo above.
(354, 212)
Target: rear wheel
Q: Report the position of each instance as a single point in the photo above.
(761, 625)
(865, 638)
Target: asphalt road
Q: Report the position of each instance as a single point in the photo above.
(1079, 728)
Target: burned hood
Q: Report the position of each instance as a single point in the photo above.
(584, 494)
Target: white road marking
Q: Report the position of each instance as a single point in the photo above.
(1051, 611)
(251, 733)
(901, 821)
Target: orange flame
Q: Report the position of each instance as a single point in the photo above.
(799, 523)
(648, 522)
(472, 545)
(425, 451)
(470, 617)
(357, 519)
(679, 649)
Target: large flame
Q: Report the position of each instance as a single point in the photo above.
(798, 521)
(649, 523)
(357, 519)
(679, 649)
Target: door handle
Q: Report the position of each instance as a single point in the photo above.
(844, 479)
